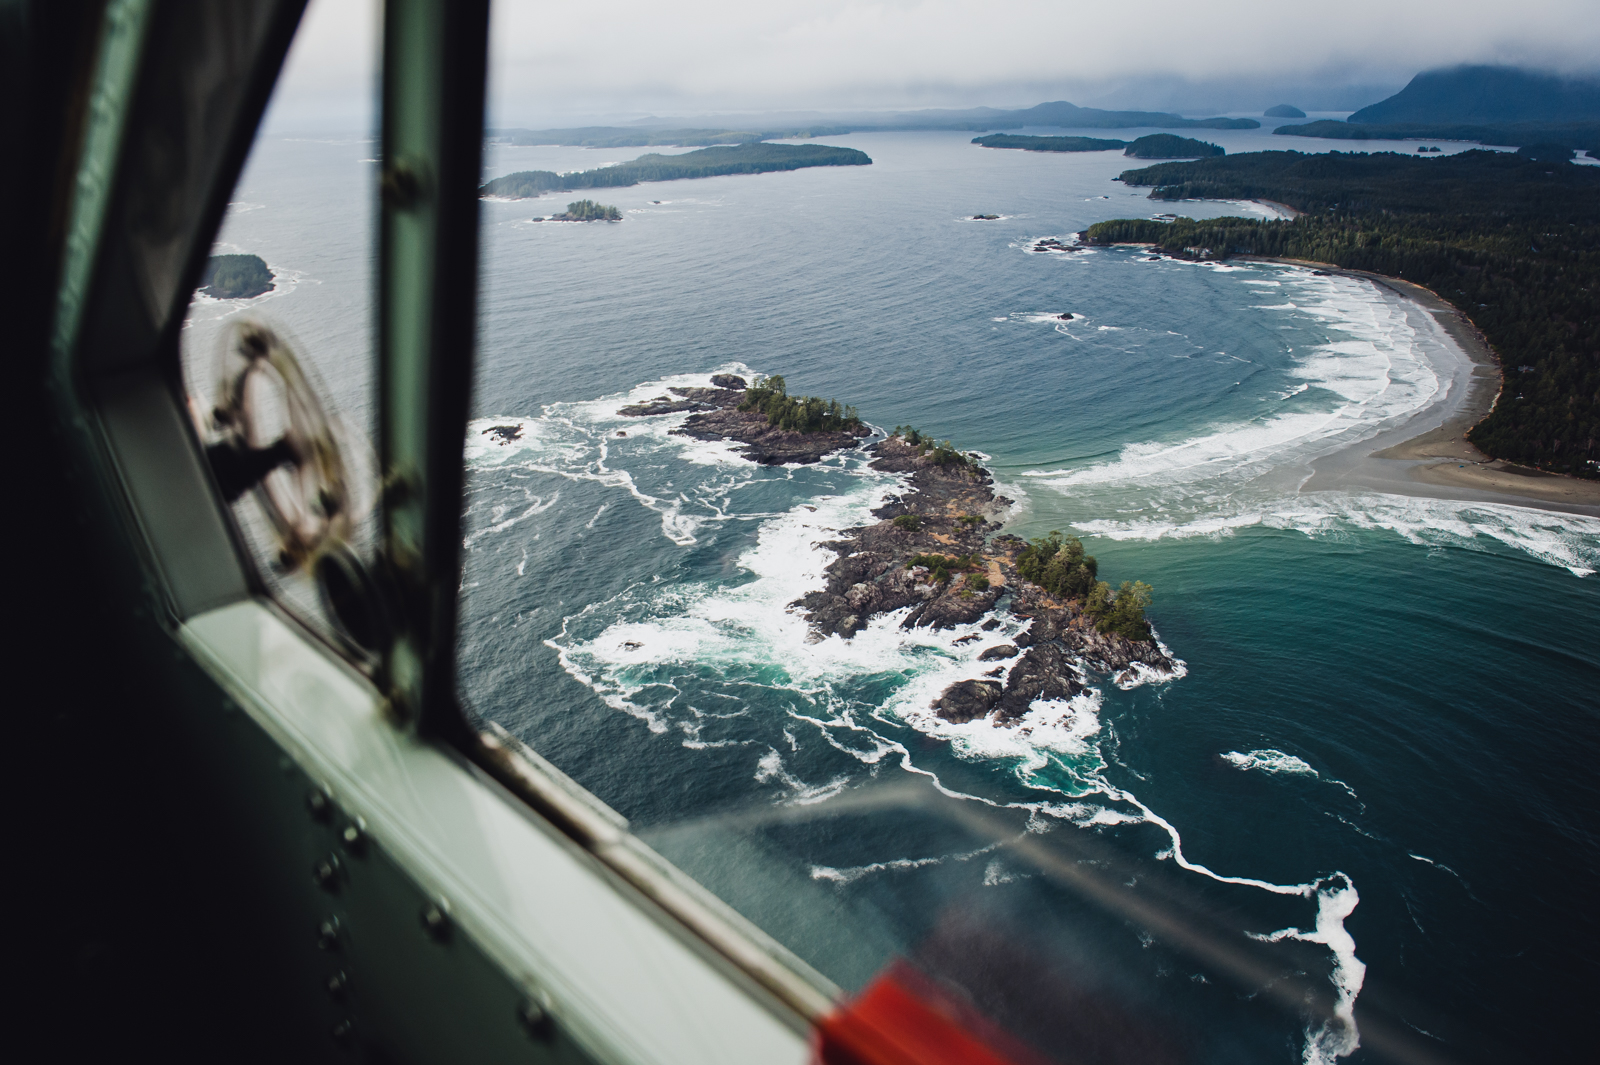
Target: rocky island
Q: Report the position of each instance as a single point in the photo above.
(585, 211)
(774, 427)
(933, 550)
(236, 277)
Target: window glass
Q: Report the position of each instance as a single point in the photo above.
(278, 343)
(802, 657)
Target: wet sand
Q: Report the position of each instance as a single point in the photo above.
(1429, 455)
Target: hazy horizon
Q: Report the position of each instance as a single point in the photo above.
(616, 61)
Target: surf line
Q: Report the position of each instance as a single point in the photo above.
(1337, 899)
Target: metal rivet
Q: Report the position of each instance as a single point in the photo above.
(338, 984)
(436, 921)
(354, 837)
(325, 873)
(328, 934)
(534, 1015)
(317, 802)
(343, 1031)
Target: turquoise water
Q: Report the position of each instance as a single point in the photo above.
(1380, 751)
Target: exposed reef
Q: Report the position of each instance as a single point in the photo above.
(733, 411)
(933, 550)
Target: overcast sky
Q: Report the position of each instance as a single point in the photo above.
(607, 60)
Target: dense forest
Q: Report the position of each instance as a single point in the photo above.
(706, 162)
(1580, 135)
(800, 414)
(236, 277)
(1059, 566)
(1172, 146)
(1049, 144)
(1512, 242)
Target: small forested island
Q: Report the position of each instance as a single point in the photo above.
(1049, 144)
(1283, 111)
(236, 277)
(706, 162)
(985, 217)
(774, 427)
(1512, 242)
(586, 211)
(1172, 146)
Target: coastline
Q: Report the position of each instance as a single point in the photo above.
(1429, 455)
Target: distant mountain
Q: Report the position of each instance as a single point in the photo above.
(1484, 95)
(977, 119)
(1284, 111)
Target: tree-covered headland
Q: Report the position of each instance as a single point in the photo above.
(1511, 242)
(706, 162)
(1059, 566)
(800, 414)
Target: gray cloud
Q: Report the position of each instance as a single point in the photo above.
(614, 58)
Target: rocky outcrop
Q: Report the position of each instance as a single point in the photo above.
(696, 399)
(949, 511)
(728, 380)
(765, 443)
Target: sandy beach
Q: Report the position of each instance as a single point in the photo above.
(1429, 455)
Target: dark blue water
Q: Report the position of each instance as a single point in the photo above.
(1379, 755)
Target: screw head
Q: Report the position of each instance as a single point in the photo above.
(319, 805)
(328, 934)
(338, 984)
(354, 838)
(325, 873)
(343, 1032)
(436, 921)
(534, 1016)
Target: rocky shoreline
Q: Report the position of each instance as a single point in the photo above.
(933, 550)
(717, 417)
(949, 512)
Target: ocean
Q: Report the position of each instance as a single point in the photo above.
(1373, 774)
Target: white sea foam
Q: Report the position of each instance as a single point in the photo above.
(1277, 763)
(1567, 540)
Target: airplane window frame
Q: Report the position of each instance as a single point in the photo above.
(158, 130)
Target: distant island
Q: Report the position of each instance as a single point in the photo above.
(1169, 146)
(586, 211)
(633, 137)
(706, 162)
(1486, 104)
(1283, 111)
(732, 129)
(1508, 240)
(985, 217)
(236, 277)
(1049, 144)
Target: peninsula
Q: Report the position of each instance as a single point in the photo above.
(236, 277)
(706, 162)
(1508, 240)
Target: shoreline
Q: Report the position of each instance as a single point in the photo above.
(1429, 456)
